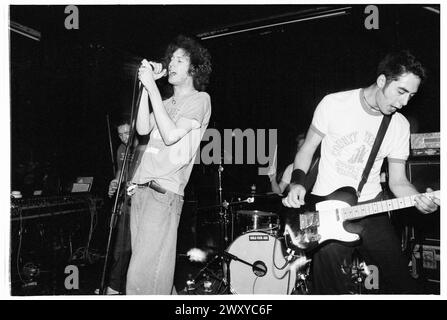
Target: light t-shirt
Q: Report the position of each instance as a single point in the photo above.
(171, 166)
(348, 128)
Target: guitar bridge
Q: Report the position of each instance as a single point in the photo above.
(309, 219)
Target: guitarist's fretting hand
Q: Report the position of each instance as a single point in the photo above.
(112, 187)
(295, 197)
(427, 204)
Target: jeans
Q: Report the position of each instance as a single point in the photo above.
(154, 221)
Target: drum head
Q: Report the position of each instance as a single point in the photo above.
(264, 251)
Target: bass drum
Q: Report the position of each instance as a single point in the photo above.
(270, 273)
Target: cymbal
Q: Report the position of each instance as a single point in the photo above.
(256, 212)
(266, 194)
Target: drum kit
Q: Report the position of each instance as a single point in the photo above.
(250, 254)
(245, 250)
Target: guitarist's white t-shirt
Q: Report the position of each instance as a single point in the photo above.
(348, 128)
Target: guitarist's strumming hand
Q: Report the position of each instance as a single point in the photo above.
(427, 203)
(295, 197)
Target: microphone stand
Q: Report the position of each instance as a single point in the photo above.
(110, 144)
(227, 258)
(116, 212)
(222, 213)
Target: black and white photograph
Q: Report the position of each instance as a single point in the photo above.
(214, 150)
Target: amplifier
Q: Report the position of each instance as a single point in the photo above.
(426, 259)
(425, 144)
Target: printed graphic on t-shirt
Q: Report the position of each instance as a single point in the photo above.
(352, 151)
(342, 142)
(358, 155)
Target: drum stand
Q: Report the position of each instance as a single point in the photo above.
(359, 272)
(223, 256)
(223, 214)
(207, 284)
(301, 285)
(225, 220)
(356, 271)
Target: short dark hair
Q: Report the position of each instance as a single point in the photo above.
(122, 120)
(199, 56)
(398, 63)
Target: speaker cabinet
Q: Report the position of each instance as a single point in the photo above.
(423, 174)
(421, 232)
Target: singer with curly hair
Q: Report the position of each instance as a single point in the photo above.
(176, 126)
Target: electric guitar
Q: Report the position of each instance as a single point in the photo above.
(309, 229)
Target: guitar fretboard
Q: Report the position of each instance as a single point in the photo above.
(363, 210)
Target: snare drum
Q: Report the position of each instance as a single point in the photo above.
(255, 220)
(271, 275)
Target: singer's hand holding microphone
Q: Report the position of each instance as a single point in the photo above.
(150, 71)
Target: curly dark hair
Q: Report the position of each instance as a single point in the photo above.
(396, 64)
(199, 56)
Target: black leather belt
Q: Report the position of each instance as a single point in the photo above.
(153, 185)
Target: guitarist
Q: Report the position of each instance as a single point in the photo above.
(122, 247)
(346, 124)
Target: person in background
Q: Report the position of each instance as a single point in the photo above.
(122, 246)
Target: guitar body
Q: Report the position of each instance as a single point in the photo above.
(346, 194)
(307, 229)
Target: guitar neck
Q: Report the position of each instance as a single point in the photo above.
(368, 209)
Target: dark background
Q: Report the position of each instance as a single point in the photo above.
(64, 86)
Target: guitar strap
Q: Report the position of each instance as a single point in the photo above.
(311, 176)
(372, 156)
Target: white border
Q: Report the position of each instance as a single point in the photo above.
(5, 164)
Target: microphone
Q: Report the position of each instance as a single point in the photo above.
(162, 69)
(163, 66)
(146, 63)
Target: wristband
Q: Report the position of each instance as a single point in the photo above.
(298, 177)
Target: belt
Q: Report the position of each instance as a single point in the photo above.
(153, 185)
